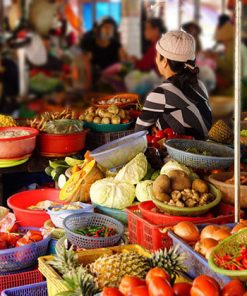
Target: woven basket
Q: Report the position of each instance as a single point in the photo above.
(223, 155)
(74, 222)
(230, 245)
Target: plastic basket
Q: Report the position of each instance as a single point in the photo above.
(23, 257)
(221, 214)
(95, 140)
(146, 234)
(55, 284)
(20, 279)
(121, 151)
(76, 221)
(39, 289)
(224, 156)
(195, 262)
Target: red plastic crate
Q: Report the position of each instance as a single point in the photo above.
(20, 279)
(146, 234)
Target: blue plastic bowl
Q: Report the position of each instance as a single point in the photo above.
(57, 217)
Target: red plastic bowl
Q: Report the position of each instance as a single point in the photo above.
(52, 145)
(17, 147)
(223, 213)
(21, 201)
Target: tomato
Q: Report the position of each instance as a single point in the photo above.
(169, 133)
(156, 272)
(182, 289)
(12, 239)
(125, 120)
(159, 287)
(111, 292)
(33, 232)
(3, 244)
(36, 237)
(149, 139)
(128, 283)
(233, 288)
(217, 171)
(22, 242)
(160, 135)
(204, 285)
(139, 291)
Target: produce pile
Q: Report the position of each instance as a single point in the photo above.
(115, 100)
(96, 231)
(111, 115)
(205, 241)
(7, 121)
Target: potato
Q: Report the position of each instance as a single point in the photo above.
(161, 188)
(115, 119)
(105, 120)
(121, 114)
(113, 109)
(200, 186)
(90, 110)
(82, 117)
(102, 113)
(97, 119)
(89, 118)
(179, 180)
(97, 111)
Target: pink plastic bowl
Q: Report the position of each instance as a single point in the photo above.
(19, 146)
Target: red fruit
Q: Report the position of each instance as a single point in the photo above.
(159, 287)
(149, 138)
(128, 283)
(140, 291)
(160, 135)
(169, 133)
(155, 143)
(233, 288)
(22, 242)
(36, 237)
(33, 232)
(182, 289)
(156, 272)
(204, 285)
(111, 292)
(12, 240)
(3, 244)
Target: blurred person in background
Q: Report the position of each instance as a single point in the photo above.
(154, 28)
(104, 49)
(195, 30)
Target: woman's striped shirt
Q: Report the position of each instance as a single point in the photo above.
(167, 106)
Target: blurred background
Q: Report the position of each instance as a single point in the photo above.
(66, 53)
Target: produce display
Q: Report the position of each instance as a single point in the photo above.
(43, 205)
(74, 206)
(7, 121)
(96, 231)
(114, 100)
(14, 240)
(42, 121)
(111, 115)
(13, 134)
(197, 151)
(243, 180)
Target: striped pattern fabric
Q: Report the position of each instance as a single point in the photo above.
(167, 106)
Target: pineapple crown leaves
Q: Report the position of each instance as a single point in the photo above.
(171, 260)
(79, 283)
(65, 260)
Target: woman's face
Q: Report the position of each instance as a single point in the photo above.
(151, 33)
(107, 31)
(161, 64)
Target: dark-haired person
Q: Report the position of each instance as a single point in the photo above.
(181, 101)
(154, 28)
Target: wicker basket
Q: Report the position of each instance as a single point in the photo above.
(231, 246)
(224, 156)
(76, 221)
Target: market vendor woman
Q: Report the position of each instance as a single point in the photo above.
(181, 101)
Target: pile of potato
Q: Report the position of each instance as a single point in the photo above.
(176, 189)
(111, 115)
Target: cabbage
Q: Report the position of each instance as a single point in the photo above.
(144, 190)
(174, 165)
(134, 171)
(111, 193)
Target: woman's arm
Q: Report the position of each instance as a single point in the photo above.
(154, 105)
(123, 55)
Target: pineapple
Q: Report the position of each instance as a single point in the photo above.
(109, 270)
(79, 283)
(221, 132)
(65, 261)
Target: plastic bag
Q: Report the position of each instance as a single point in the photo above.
(64, 126)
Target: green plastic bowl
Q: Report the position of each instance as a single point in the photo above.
(193, 212)
(107, 128)
(119, 215)
(229, 245)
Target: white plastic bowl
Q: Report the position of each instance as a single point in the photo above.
(57, 217)
(119, 152)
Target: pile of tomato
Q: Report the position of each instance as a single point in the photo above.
(157, 283)
(155, 140)
(13, 240)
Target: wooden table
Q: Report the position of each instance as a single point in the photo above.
(35, 164)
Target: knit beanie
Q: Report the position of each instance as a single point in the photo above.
(177, 46)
